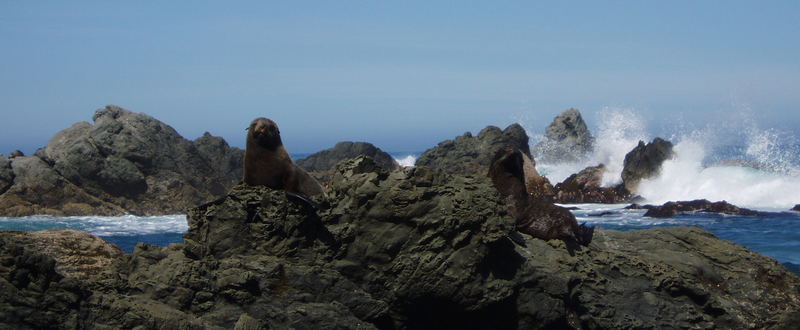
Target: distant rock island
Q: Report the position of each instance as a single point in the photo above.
(124, 163)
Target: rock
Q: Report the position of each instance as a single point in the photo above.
(38, 189)
(585, 187)
(131, 162)
(566, 139)
(796, 208)
(321, 164)
(472, 155)
(644, 162)
(77, 254)
(6, 174)
(16, 153)
(325, 160)
(34, 295)
(227, 161)
(415, 248)
(670, 209)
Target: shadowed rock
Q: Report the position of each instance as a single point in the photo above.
(796, 208)
(644, 162)
(670, 209)
(566, 139)
(472, 155)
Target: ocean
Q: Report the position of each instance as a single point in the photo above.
(736, 162)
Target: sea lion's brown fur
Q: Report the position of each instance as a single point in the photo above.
(535, 216)
(267, 163)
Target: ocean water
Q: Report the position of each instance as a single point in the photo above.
(735, 161)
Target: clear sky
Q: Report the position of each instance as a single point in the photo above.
(402, 74)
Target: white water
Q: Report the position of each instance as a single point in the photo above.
(767, 176)
(774, 186)
(619, 131)
(407, 161)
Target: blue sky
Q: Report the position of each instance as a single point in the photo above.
(403, 75)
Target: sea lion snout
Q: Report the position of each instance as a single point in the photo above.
(265, 132)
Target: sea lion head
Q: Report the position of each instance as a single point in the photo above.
(265, 133)
(507, 173)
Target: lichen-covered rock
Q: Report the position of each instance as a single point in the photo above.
(472, 155)
(644, 162)
(566, 139)
(586, 187)
(130, 161)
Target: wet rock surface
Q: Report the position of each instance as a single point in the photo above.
(644, 162)
(586, 187)
(670, 209)
(125, 162)
(407, 249)
(472, 155)
(566, 139)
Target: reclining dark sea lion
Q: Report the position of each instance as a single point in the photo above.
(535, 216)
(267, 163)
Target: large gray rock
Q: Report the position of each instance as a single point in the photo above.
(472, 155)
(415, 248)
(38, 189)
(566, 139)
(131, 161)
(644, 162)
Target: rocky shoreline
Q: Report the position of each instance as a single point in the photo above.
(388, 247)
(408, 249)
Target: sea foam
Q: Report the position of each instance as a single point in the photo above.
(128, 225)
(733, 160)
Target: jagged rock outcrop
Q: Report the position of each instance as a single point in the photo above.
(566, 139)
(472, 155)
(409, 249)
(644, 162)
(586, 187)
(16, 153)
(125, 163)
(670, 209)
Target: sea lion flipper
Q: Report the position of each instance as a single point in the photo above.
(304, 199)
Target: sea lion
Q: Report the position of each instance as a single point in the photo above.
(267, 163)
(535, 216)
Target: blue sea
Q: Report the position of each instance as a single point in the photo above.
(736, 162)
